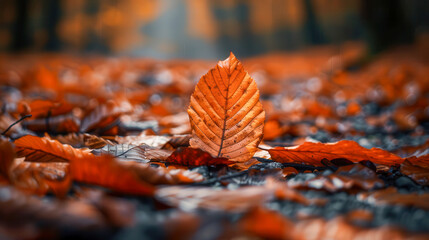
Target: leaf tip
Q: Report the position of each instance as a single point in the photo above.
(231, 55)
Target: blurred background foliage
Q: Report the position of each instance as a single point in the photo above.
(205, 28)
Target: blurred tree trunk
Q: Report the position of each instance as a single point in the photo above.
(20, 28)
(312, 30)
(386, 24)
(53, 15)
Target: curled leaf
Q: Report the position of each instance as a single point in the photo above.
(226, 115)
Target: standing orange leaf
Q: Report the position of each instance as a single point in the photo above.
(313, 153)
(226, 115)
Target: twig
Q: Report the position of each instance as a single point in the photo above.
(13, 124)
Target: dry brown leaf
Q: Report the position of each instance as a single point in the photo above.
(33, 177)
(40, 178)
(419, 173)
(226, 115)
(177, 141)
(85, 167)
(312, 153)
(79, 140)
(95, 142)
(36, 149)
(104, 115)
(75, 140)
(422, 161)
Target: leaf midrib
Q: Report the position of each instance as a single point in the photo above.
(222, 139)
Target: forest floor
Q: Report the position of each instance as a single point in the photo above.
(100, 149)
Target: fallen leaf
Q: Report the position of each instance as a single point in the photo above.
(289, 171)
(162, 175)
(94, 142)
(36, 149)
(177, 141)
(57, 124)
(266, 224)
(118, 212)
(85, 167)
(153, 141)
(181, 225)
(47, 108)
(142, 153)
(226, 115)
(245, 165)
(420, 174)
(7, 156)
(105, 171)
(346, 178)
(391, 196)
(194, 157)
(75, 140)
(40, 178)
(360, 215)
(272, 130)
(104, 115)
(190, 198)
(339, 228)
(313, 153)
(20, 210)
(422, 161)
